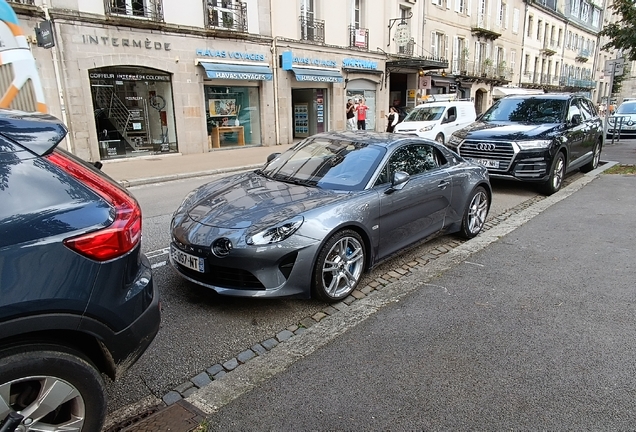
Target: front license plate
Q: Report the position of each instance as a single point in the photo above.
(487, 163)
(185, 259)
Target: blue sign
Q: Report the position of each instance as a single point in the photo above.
(288, 60)
(359, 64)
(233, 55)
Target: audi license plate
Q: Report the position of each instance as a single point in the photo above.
(487, 163)
(185, 259)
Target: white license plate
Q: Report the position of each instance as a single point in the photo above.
(185, 259)
(487, 163)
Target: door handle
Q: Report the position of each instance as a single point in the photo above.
(443, 184)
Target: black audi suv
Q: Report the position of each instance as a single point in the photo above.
(77, 298)
(534, 138)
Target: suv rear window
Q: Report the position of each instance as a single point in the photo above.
(531, 110)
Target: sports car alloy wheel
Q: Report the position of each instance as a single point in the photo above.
(556, 175)
(339, 266)
(475, 213)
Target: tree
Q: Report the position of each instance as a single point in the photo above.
(622, 33)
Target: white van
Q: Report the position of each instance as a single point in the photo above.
(437, 120)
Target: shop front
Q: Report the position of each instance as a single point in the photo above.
(362, 80)
(133, 110)
(232, 87)
(311, 92)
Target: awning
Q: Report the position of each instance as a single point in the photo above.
(318, 75)
(363, 71)
(237, 71)
(506, 91)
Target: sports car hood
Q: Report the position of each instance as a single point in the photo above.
(508, 131)
(247, 200)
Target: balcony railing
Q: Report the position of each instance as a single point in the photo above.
(312, 30)
(358, 38)
(484, 69)
(578, 83)
(482, 26)
(408, 48)
(549, 47)
(24, 2)
(149, 9)
(226, 14)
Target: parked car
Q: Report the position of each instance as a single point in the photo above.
(77, 297)
(534, 138)
(315, 217)
(437, 120)
(623, 121)
(403, 111)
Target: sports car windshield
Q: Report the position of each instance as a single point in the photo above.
(326, 163)
(531, 110)
(425, 114)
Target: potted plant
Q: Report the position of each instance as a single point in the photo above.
(501, 69)
(463, 60)
(486, 65)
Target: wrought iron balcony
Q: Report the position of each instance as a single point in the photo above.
(408, 48)
(226, 14)
(358, 38)
(312, 29)
(482, 26)
(24, 2)
(484, 69)
(549, 47)
(149, 9)
(577, 83)
(583, 56)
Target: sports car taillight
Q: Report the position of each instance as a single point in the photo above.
(118, 238)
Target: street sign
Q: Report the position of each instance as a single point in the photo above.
(617, 64)
(402, 34)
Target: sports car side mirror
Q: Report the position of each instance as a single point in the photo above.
(399, 180)
(272, 157)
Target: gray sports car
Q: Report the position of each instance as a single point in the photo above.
(315, 217)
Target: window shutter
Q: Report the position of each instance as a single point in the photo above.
(458, 5)
(455, 65)
(515, 21)
(498, 22)
(468, 6)
(506, 16)
(434, 44)
(446, 47)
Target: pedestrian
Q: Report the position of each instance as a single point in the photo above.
(351, 115)
(392, 119)
(361, 109)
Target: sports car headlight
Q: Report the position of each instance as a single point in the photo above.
(533, 145)
(426, 128)
(277, 233)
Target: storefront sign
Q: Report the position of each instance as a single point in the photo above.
(318, 78)
(129, 77)
(235, 55)
(359, 64)
(126, 42)
(288, 60)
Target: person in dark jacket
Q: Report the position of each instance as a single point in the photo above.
(392, 119)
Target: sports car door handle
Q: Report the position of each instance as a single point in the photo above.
(443, 184)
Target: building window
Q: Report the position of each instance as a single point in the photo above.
(559, 38)
(515, 21)
(596, 17)
(438, 45)
(151, 9)
(513, 60)
(539, 24)
(356, 14)
(227, 14)
(530, 22)
(585, 12)
(575, 9)
(233, 115)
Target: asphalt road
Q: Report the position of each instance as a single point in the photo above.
(199, 328)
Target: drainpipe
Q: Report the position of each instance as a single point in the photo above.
(58, 80)
(274, 50)
(523, 42)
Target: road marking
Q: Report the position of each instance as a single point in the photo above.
(157, 253)
(159, 264)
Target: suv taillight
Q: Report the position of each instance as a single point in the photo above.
(118, 238)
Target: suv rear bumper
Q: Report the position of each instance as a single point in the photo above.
(122, 349)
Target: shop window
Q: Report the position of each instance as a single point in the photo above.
(233, 116)
(134, 112)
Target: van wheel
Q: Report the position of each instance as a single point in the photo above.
(440, 138)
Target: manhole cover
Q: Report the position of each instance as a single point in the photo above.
(179, 417)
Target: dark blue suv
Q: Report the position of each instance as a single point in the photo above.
(77, 297)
